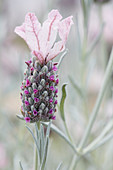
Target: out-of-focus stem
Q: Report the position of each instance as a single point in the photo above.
(68, 134)
(99, 138)
(98, 101)
(76, 161)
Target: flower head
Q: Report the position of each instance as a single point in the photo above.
(41, 39)
(39, 87)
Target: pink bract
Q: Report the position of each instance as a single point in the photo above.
(41, 39)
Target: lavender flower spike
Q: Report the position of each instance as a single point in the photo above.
(39, 87)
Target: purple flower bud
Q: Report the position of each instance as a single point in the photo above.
(51, 77)
(57, 81)
(27, 119)
(36, 99)
(21, 87)
(53, 117)
(21, 95)
(51, 111)
(55, 102)
(51, 100)
(28, 62)
(35, 91)
(26, 92)
(54, 68)
(55, 64)
(28, 83)
(26, 103)
(35, 112)
(32, 68)
(52, 88)
(56, 91)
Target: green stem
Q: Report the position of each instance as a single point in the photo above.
(76, 161)
(98, 101)
(62, 135)
(99, 138)
(36, 158)
(35, 150)
(67, 132)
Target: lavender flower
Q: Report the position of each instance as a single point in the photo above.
(39, 87)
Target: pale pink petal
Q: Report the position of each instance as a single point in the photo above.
(41, 40)
(48, 32)
(20, 30)
(29, 31)
(58, 48)
(32, 28)
(39, 55)
(64, 28)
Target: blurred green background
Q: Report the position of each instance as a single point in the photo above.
(87, 73)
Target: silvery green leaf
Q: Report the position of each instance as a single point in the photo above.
(95, 41)
(33, 138)
(62, 135)
(77, 87)
(62, 102)
(37, 133)
(59, 166)
(42, 138)
(20, 117)
(45, 153)
(48, 129)
(78, 37)
(21, 165)
(62, 57)
(46, 146)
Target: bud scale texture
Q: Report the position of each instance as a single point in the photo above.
(39, 91)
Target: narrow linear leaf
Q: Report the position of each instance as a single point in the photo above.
(76, 87)
(45, 153)
(62, 57)
(95, 41)
(48, 129)
(46, 146)
(78, 37)
(102, 142)
(21, 165)
(37, 132)
(42, 140)
(62, 102)
(62, 135)
(71, 165)
(38, 135)
(20, 117)
(107, 128)
(59, 166)
(33, 138)
(105, 140)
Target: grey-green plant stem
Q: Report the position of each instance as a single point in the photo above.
(36, 153)
(76, 161)
(62, 57)
(35, 157)
(93, 45)
(84, 12)
(62, 135)
(98, 101)
(102, 142)
(68, 134)
(21, 165)
(107, 128)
